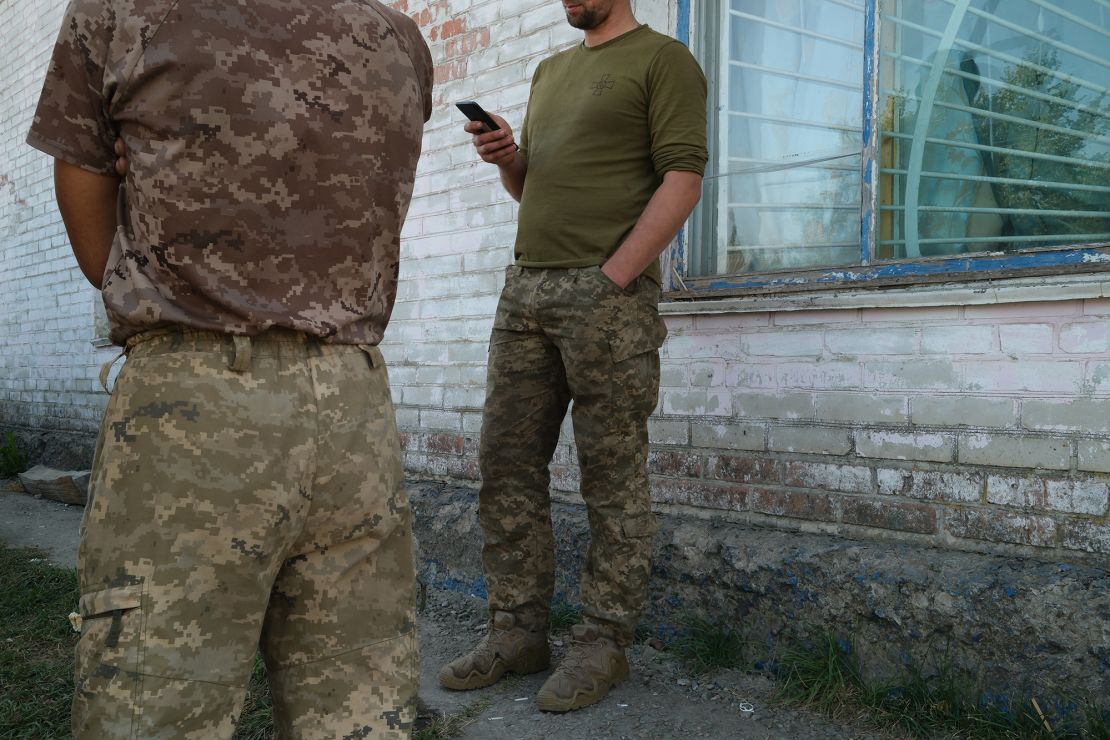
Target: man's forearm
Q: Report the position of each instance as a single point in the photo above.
(88, 205)
(512, 177)
(657, 226)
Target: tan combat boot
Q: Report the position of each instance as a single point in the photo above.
(594, 664)
(506, 647)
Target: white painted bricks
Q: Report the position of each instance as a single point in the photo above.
(991, 420)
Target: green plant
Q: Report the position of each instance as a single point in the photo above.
(562, 616)
(709, 645)
(642, 633)
(11, 461)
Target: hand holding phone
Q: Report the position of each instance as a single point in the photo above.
(487, 145)
(475, 112)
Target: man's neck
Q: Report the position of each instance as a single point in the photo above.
(618, 23)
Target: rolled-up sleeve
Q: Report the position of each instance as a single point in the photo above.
(677, 111)
(71, 121)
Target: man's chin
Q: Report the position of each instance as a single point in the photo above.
(582, 23)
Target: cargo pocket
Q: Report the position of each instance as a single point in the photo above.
(110, 635)
(637, 337)
(644, 526)
(630, 316)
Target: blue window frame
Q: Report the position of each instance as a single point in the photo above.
(980, 147)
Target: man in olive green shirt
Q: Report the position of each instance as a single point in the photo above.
(609, 168)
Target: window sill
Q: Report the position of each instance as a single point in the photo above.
(962, 293)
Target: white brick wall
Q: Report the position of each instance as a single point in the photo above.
(968, 425)
(48, 366)
(920, 404)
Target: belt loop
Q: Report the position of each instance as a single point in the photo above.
(107, 368)
(241, 360)
(373, 354)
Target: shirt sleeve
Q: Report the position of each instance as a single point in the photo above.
(421, 57)
(677, 93)
(71, 122)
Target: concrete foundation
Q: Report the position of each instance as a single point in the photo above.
(61, 450)
(1019, 626)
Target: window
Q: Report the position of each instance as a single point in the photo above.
(901, 139)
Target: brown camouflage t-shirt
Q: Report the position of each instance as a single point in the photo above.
(272, 147)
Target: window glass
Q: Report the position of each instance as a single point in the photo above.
(996, 125)
(785, 177)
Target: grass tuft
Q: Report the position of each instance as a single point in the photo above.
(563, 616)
(11, 460)
(825, 677)
(925, 704)
(706, 645)
(452, 725)
(256, 722)
(642, 633)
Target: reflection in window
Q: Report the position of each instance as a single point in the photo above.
(996, 125)
(785, 176)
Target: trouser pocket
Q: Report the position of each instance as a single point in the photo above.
(107, 660)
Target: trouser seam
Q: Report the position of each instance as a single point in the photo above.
(342, 652)
(187, 679)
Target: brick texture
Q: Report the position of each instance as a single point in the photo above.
(48, 314)
(976, 426)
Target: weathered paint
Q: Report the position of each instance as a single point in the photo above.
(870, 195)
(951, 266)
(682, 32)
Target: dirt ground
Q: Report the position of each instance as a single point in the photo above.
(660, 701)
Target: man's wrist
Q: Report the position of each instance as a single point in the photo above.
(617, 276)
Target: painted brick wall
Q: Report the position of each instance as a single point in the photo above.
(972, 427)
(48, 366)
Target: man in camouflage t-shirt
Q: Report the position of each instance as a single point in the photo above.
(247, 483)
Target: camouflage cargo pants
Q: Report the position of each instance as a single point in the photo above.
(562, 335)
(246, 493)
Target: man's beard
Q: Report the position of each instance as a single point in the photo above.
(588, 19)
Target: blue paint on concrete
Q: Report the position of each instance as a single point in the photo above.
(472, 587)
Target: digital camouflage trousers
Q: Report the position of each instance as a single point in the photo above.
(563, 335)
(246, 494)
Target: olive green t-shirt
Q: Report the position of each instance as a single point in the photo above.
(604, 124)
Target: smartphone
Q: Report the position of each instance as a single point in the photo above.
(475, 112)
